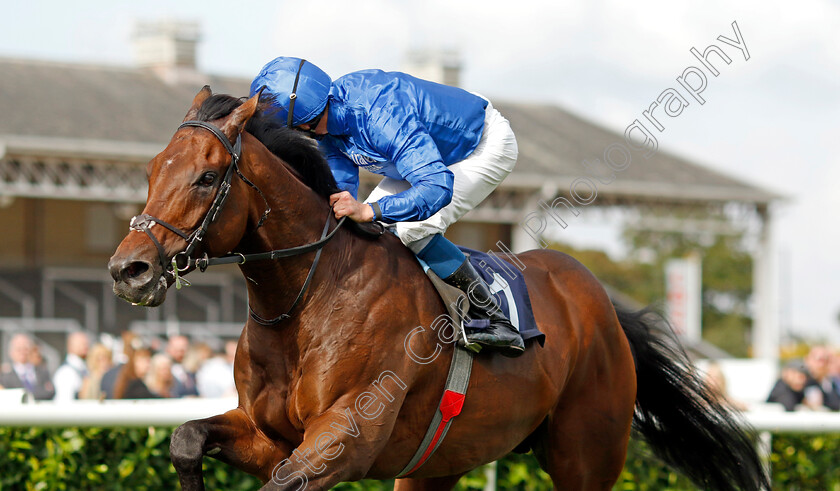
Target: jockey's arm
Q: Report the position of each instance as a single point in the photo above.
(404, 140)
(346, 173)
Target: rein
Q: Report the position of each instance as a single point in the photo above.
(144, 223)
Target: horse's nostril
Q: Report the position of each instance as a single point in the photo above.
(135, 269)
(135, 273)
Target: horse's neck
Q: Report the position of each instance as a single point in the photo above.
(273, 287)
(297, 218)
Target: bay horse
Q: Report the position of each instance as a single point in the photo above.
(331, 385)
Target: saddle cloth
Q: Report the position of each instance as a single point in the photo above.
(507, 283)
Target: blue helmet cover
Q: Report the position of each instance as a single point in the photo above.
(278, 77)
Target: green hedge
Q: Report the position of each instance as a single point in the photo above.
(138, 459)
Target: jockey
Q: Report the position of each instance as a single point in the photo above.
(441, 149)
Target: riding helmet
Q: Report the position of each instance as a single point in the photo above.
(297, 83)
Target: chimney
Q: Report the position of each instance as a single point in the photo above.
(437, 65)
(167, 48)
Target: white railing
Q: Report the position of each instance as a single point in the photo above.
(173, 412)
(133, 413)
(794, 422)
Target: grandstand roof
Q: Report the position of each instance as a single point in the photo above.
(128, 113)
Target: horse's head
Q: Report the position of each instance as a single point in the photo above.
(184, 216)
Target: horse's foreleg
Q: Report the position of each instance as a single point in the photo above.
(230, 437)
(340, 445)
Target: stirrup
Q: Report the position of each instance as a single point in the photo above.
(463, 341)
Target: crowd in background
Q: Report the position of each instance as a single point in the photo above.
(140, 369)
(812, 383)
(180, 368)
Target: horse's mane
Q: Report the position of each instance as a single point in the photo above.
(292, 146)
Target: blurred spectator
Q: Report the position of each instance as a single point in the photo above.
(129, 383)
(834, 369)
(22, 373)
(184, 379)
(196, 355)
(789, 390)
(37, 361)
(70, 375)
(109, 378)
(215, 377)
(98, 363)
(159, 380)
(716, 382)
(819, 390)
(35, 356)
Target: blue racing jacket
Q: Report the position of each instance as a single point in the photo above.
(404, 128)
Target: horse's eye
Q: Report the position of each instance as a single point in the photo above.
(207, 179)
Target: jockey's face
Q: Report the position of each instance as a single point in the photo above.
(317, 128)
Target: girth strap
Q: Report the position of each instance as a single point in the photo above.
(450, 406)
(457, 380)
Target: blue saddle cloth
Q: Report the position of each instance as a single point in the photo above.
(507, 283)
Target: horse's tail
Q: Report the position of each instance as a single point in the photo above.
(680, 419)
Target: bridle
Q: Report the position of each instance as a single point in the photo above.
(144, 223)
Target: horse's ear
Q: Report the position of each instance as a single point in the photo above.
(235, 122)
(202, 96)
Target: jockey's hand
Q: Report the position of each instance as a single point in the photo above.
(344, 205)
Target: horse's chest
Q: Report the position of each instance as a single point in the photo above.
(271, 416)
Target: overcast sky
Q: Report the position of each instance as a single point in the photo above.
(772, 120)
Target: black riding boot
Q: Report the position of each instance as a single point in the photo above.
(500, 335)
